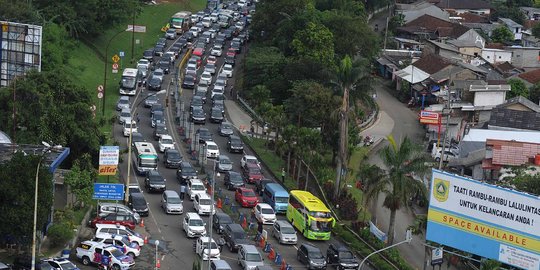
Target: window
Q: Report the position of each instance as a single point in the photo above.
(99, 250)
(268, 194)
(294, 202)
(108, 241)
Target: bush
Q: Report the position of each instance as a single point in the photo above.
(59, 234)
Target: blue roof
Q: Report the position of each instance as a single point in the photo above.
(277, 189)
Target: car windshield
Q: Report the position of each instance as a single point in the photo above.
(282, 199)
(315, 255)
(123, 101)
(205, 202)
(212, 147)
(188, 170)
(174, 200)
(267, 211)
(125, 241)
(254, 171)
(196, 222)
(139, 203)
(116, 253)
(253, 257)
(132, 125)
(197, 187)
(69, 266)
(239, 235)
(125, 114)
(346, 255)
(225, 161)
(167, 141)
(213, 245)
(226, 126)
(225, 220)
(287, 230)
(236, 177)
(248, 193)
(252, 161)
(173, 155)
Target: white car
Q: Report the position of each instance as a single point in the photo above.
(129, 128)
(264, 213)
(143, 65)
(202, 87)
(240, 25)
(214, 17)
(165, 142)
(212, 149)
(217, 50)
(87, 250)
(193, 225)
(206, 77)
(194, 187)
(121, 242)
(227, 70)
(207, 22)
(217, 91)
(203, 204)
(249, 159)
(106, 230)
(124, 116)
(201, 248)
(218, 87)
(195, 31)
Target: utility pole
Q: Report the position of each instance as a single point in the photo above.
(449, 109)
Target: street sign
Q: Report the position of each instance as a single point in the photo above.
(436, 256)
(138, 28)
(121, 53)
(100, 95)
(430, 118)
(115, 71)
(105, 191)
(100, 88)
(115, 65)
(108, 160)
(116, 58)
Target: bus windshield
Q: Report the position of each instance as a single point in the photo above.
(321, 226)
(282, 199)
(320, 214)
(129, 82)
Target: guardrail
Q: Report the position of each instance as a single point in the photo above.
(249, 110)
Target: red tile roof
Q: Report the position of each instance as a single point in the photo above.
(499, 46)
(528, 24)
(512, 153)
(431, 63)
(430, 24)
(532, 76)
(462, 4)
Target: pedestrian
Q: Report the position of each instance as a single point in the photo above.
(252, 129)
(182, 191)
(283, 175)
(259, 227)
(231, 92)
(138, 118)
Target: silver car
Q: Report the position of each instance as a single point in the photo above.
(249, 257)
(124, 116)
(123, 103)
(117, 208)
(224, 163)
(284, 232)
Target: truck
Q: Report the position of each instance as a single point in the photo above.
(181, 21)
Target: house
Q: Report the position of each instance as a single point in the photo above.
(531, 13)
(507, 69)
(520, 103)
(408, 44)
(530, 78)
(487, 97)
(468, 49)
(482, 27)
(468, 18)
(464, 6)
(392, 60)
(412, 11)
(495, 56)
(527, 58)
(514, 27)
(508, 153)
(442, 49)
(428, 27)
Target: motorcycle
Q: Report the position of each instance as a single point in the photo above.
(368, 141)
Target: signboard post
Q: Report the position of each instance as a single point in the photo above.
(108, 160)
(486, 220)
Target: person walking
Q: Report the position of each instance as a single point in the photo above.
(138, 118)
(182, 191)
(283, 175)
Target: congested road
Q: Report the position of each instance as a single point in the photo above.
(175, 250)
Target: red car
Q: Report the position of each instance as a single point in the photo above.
(114, 218)
(231, 52)
(246, 197)
(252, 173)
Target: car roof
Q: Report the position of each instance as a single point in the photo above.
(192, 215)
(116, 226)
(196, 181)
(249, 157)
(235, 227)
(211, 143)
(311, 247)
(250, 248)
(283, 223)
(244, 189)
(340, 247)
(221, 264)
(166, 136)
(264, 205)
(137, 196)
(202, 196)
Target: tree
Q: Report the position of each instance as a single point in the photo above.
(502, 35)
(534, 93)
(397, 186)
(314, 42)
(518, 88)
(527, 183)
(490, 265)
(80, 181)
(309, 104)
(536, 30)
(18, 176)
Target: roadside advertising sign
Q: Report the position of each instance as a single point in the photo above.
(486, 220)
(430, 118)
(106, 191)
(108, 159)
(377, 232)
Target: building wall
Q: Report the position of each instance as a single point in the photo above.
(496, 56)
(470, 51)
(489, 98)
(476, 11)
(525, 57)
(518, 107)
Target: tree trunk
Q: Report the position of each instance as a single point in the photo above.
(391, 226)
(289, 161)
(307, 178)
(343, 136)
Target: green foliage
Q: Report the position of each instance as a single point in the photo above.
(310, 104)
(534, 93)
(18, 176)
(527, 183)
(315, 42)
(518, 88)
(536, 30)
(508, 10)
(490, 265)
(80, 181)
(56, 47)
(51, 108)
(502, 35)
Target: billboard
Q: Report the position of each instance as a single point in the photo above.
(486, 220)
(430, 118)
(20, 50)
(108, 159)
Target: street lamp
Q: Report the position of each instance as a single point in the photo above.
(211, 219)
(46, 150)
(156, 262)
(408, 239)
(130, 138)
(105, 71)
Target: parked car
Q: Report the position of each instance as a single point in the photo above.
(121, 242)
(284, 232)
(221, 220)
(114, 218)
(245, 197)
(207, 248)
(234, 236)
(87, 250)
(113, 229)
(138, 204)
(105, 207)
(339, 255)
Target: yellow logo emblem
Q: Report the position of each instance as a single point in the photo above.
(440, 189)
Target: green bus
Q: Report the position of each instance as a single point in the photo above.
(309, 215)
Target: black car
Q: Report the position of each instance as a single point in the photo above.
(138, 204)
(220, 39)
(196, 102)
(229, 59)
(340, 255)
(185, 172)
(311, 256)
(154, 84)
(188, 82)
(200, 94)
(182, 41)
(164, 64)
(156, 108)
(172, 158)
(159, 50)
(162, 41)
(189, 36)
(198, 116)
(177, 49)
(261, 184)
(136, 137)
(216, 115)
(148, 54)
(219, 103)
(160, 129)
(204, 135)
(234, 236)
(221, 220)
(233, 180)
(235, 144)
(154, 181)
(150, 100)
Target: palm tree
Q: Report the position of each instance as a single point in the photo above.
(346, 79)
(397, 185)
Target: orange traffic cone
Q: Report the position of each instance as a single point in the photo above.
(272, 254)
(142, 223)
(262, 243)
(244, 223)
(283, 265)
(146, 239)
(219, 203)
